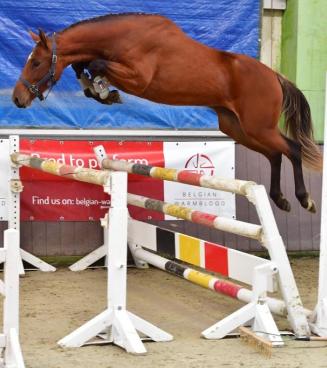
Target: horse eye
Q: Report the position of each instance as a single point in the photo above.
(35, 63)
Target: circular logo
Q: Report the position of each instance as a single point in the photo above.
(200, 164)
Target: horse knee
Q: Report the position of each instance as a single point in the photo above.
(97, 67)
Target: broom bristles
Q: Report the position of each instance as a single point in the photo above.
(264, 346)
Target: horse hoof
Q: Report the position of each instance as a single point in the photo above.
(115, 97)
(308, 203)
(311, 206)
(283, 204)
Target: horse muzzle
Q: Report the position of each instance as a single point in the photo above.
(20, 98)
(17, 103)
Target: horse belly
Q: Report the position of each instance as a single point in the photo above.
(180, 98)
(185, 85)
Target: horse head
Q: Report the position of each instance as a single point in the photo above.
(41, 71)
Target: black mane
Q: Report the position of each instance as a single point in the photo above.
(104, 18)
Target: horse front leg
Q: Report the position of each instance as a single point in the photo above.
(83, 79)
(79, 68)
(88, 83)
(133, 78)
(98, 71)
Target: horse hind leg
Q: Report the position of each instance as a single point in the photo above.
(275, 191)
(295, 156)
(272, 139)
(229, 124)
(292, 150)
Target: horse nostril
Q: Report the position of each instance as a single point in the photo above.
(17, 103)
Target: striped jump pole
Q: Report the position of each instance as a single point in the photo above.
(97, 177)
(240, 187)
(147, 240)
(101, 177)
(220, 286)
(217, 222)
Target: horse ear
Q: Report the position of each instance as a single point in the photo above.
(34, 36)
(43, 38)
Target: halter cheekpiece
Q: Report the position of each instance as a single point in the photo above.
(48, 78)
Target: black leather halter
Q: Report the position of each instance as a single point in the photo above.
(49, 78)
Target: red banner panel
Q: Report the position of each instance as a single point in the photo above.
(50, 198)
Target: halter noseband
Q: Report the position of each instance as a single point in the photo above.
(49, 77)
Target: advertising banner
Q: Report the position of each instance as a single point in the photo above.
(50, 198)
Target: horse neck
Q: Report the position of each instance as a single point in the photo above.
(81, 44)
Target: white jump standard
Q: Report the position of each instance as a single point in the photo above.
(114, 325)
(15, 187)
(256, 312)
(117, 325)
(9, 339)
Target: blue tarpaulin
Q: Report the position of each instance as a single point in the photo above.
(231, 25)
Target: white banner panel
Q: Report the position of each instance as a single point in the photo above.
(5, 176)
(207, 158)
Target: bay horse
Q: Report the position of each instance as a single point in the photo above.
(151, 57)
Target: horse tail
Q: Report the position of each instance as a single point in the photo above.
(298, 123)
